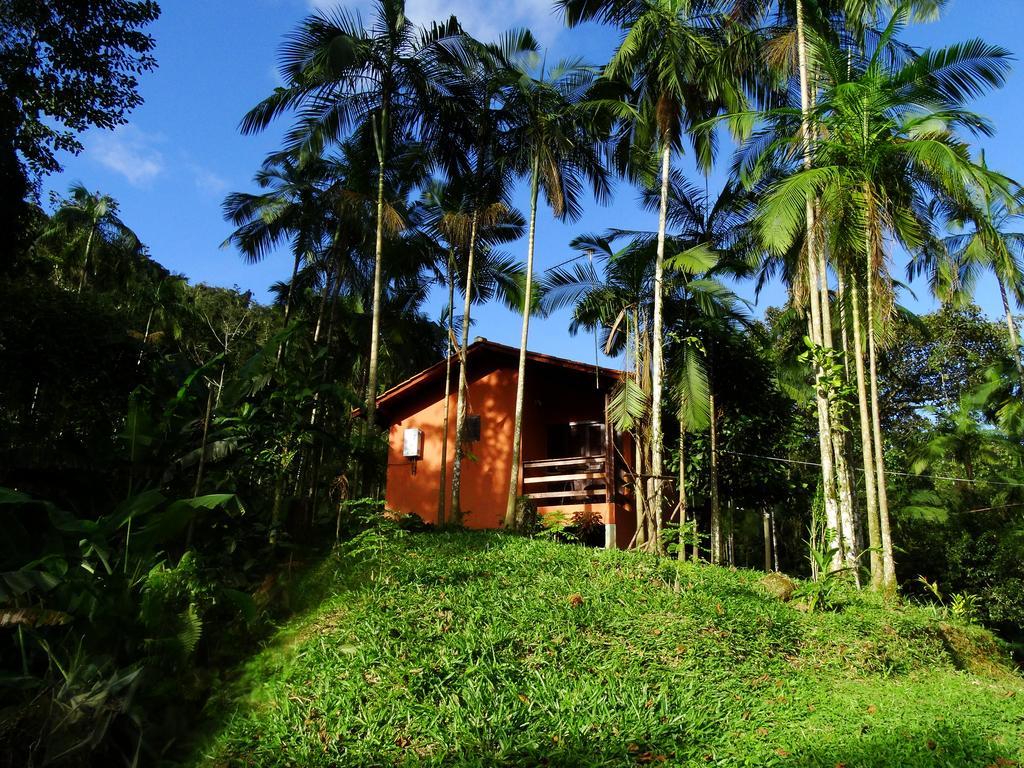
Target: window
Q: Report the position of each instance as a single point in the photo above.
(472, 428)
(576, 439)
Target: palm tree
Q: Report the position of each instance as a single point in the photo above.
(448, 225)
(381, 81)
(712, 236)
(886, 138)
(291, 208)
(84, 222)
(848, 24)
(481, 126)
(555, 138)
(985, 241)
(618, 301)
(671, 57)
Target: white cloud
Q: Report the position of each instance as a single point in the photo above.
(128, 151)
(208, 182)
(484, 19)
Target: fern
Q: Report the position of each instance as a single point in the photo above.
(191, 630)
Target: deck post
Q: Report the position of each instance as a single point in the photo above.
(611, 495)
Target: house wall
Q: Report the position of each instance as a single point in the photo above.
(485, 468)
(552, 397)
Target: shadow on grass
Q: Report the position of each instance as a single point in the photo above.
(324, 577)
(945, 745)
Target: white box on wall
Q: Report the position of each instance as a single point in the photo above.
(412, 443)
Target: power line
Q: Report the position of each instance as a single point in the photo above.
(861, 469)
(568, 261)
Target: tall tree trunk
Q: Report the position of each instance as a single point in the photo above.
(814, 297)
(640, 492)
(288, 300)
(145, 336)
(85, 260)
(657, 349)
(371, 387)
(202, 462)
(276, 506)
(442, 492)
(867, 445)
(1011, 326)
(775, 539)
(517, 432)
(854, 535)
(681, 554)
(314, 484)
(716, 504)
(888, 564)
(766, 532)
(639, 438)
(844, 492)
(460, 403)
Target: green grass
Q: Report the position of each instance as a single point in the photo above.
(475, 649)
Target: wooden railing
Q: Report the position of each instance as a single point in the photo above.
(571, 481)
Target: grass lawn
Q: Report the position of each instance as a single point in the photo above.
(482, 649)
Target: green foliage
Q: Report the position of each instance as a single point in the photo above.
(821, 591)
(68, 67)
(831, 379)
(466, 649)
(964, 607)
(673, 535)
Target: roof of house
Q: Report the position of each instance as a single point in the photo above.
(480, 348)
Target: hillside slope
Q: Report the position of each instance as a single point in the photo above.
(477, 649)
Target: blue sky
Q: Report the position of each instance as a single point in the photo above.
(171, 166)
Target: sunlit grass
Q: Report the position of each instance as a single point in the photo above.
(476, 649)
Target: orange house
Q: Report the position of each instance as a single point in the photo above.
(572, 459)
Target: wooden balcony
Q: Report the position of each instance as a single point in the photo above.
(581, 480)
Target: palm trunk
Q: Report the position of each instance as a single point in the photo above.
(766, 534)
(460, 403)
(85, 260)
(314, 484)
(517, 433)
(145, 336)
(716, 504)
(321, 311)
(202, 463)
(276, 506)
(775, 539)
(640, 492)
(442, 490)
(371, 387)
(657, 364)
(814, 282)
(1011, 326)
(681, 554)
(288, 298)
(867, 447)
(844, 493)
(888, 564)
(854, 534)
